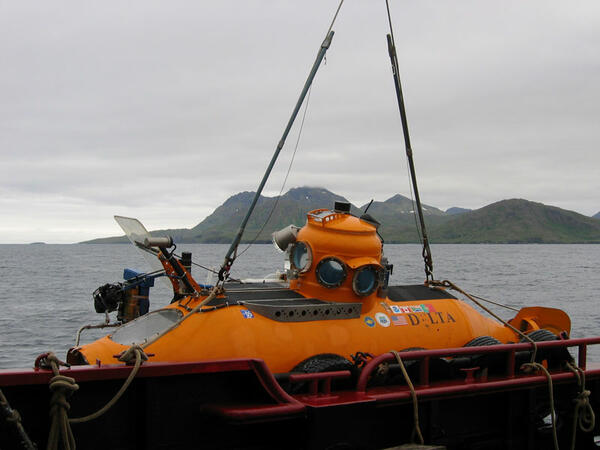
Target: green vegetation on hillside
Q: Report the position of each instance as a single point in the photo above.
(507, 221)
(518, 221)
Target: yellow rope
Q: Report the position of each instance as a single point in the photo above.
(133, 352)
(415, 403)
(533, 366)
(62, 388)
(583, 414)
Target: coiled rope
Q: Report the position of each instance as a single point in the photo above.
(583, 414)
(62, 387)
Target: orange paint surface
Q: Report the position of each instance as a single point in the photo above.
(234, 332)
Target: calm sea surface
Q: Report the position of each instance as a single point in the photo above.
(45, 290)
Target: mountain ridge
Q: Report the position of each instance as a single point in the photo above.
(505, 221)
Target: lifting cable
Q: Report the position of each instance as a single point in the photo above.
(426, 253)
(231, 254)
(286, 175)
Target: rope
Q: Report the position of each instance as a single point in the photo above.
(135, 352)
(450, 285)
(62, 387)
(229, 259)
(334, 17)
(389, 15)
(208, 269)
(583, 414)
(286, 175)
(13, 416)
(416, 428)
(495, 303)
(295, 149)
(533, 366)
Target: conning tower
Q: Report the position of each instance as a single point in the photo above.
(335, 256)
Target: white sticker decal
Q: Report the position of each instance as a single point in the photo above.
(382, 319)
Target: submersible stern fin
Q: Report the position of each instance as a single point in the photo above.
(539, 317)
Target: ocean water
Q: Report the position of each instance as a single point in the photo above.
(45, 290)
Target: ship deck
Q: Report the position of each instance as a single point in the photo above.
(239, 403)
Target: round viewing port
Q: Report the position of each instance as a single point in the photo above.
(365, 280)
(301, 256)
(331, 272)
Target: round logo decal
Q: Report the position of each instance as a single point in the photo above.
(382, 319)
(370, 322)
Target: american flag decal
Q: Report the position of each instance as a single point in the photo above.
(399, 320)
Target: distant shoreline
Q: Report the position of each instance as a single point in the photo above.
(269, 243)
(512, 221)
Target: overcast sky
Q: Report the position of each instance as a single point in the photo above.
(162, 110)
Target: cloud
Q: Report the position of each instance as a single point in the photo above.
(164, 110)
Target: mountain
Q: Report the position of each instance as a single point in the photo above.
(456, 210)
(597, 215)
(222, 224)
(518, 221)
(397, 218)
(507, 221)
(401, 206)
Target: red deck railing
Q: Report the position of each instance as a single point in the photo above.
(320, 383)
(510, 350)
